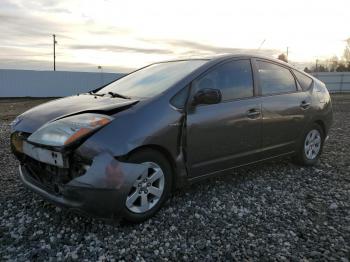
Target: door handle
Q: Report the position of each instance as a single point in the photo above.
(252, 113)
(305, 105)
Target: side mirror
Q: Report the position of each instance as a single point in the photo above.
(207, 96)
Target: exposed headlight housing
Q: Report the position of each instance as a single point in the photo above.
(68, 130)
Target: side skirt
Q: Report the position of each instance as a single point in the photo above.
(228, 170)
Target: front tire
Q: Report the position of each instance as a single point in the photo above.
(150, 190)
(310, 148)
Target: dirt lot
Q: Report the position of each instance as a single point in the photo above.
(272, 211)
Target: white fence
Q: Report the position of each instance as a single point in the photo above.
(29, 83)
(335, 81)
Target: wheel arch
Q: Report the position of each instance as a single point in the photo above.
(161, 150)
(322, 125)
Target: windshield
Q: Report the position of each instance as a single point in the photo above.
(152, 80)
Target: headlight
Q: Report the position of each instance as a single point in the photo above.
(68, 130)
(17, 142)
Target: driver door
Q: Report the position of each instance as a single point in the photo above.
(226, 134)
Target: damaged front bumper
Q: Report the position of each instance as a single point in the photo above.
(100, 192)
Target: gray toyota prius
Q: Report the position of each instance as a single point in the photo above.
(118, 152)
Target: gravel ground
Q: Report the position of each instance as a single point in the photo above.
(272, 211)
(12, 107)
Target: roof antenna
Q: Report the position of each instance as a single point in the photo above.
(261, 44)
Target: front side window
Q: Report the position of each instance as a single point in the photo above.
(152, 80)
(275, 79)
(234, 80)
(304, 81)
(179, 100)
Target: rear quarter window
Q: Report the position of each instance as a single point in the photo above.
(304, 81)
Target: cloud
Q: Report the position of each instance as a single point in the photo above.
(195, 48)
(27, 26)
(59, 10)
(7, 5)
(117, 48)
(53, 6)
(109, 30)
(15, 26)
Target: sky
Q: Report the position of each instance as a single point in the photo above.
(123, 35)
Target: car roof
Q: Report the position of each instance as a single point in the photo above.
(245, 55)
(222, 57)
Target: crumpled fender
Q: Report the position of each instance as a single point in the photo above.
(108, 174)
(135, 128)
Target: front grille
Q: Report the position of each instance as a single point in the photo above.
(52, 178)
(48, 177)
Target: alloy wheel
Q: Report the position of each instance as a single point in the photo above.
(312, 144)
(147, 189)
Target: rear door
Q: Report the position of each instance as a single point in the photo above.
(284, 107)
(227, 134)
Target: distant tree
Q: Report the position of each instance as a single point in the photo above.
(346, 55)
(307, 70)
(341, 68)
(322, 68)
(333, 63)
(283, 57)
(312, 69)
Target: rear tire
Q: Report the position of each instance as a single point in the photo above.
(310, 147)
(145, 189)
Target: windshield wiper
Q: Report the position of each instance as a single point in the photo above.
(113, 94)
(95, 94)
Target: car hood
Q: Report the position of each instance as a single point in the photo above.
(34, 118)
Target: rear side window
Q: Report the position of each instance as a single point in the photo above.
(275, 79)
(304, 81)
(234, 79)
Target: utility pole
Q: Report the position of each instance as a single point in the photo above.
(287, 53)
(101, 74)
(54, 52)
(316, 65)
